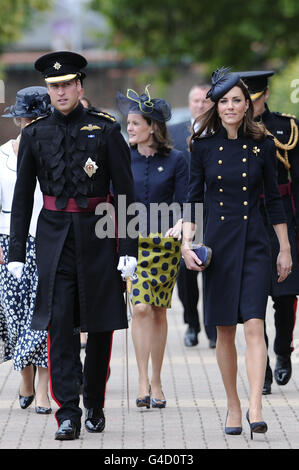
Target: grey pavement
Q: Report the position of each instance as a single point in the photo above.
(196, 407)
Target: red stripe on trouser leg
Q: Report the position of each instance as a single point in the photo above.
(107, 375)
(50, 378)
(295, 316)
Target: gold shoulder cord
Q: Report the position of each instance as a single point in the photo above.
(293, 140)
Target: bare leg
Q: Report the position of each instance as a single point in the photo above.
(159, 336)
(256, 360)
(142, 336)
(27, 386)
(227, 361)
(42, 398)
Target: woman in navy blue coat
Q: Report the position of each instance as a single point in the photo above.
(160, 179)
(231, 166)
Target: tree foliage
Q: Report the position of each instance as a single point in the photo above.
(284, 89)
(15, 15)
(225, 32)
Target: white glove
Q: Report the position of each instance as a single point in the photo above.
(127, 266)
(16, 269)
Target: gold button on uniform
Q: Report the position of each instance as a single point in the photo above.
(245, 217)
(244, 160)
(219, 177)
(220, 190)
(220, 162)
(244, 175)
(220, 148)
(221, 203)
(244, 188)
(222, 217)
(244, 146)
(245, 203)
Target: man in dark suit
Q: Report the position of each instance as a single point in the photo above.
(75, 153)
(284, 128)
(187, 280)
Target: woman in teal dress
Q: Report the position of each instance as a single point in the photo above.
(161, 178)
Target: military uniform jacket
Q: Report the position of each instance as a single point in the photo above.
(228, 176)
(55, 149)
(280, 126)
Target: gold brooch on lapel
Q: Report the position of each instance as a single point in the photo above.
(160, 168)
(90, 127)
(90, 167)
(256, 150)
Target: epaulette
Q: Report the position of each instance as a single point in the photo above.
(286, 115)
(102, 115)
(37, 119)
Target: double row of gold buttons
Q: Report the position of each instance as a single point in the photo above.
(245, 203)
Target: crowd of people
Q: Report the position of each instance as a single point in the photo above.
(235, 162)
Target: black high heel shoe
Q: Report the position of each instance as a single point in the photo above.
(257, 426)
(232, 430)
(43, 410)
(144, 401)
(159, 402)
(26, 401)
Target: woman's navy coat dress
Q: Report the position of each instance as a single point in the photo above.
(229, 176)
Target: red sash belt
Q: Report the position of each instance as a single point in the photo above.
(72, 206)
(284, 189)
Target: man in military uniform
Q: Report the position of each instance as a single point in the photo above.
(76, 154)
(187, 280)
(284, 128)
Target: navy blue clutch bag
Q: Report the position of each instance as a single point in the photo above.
(204, 253)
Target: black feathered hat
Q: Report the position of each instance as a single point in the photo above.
(153, 108)
(222, 82)
(31, 102)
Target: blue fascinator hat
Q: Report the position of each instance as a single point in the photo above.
(31, 102)
(222, 82)
(153, 108)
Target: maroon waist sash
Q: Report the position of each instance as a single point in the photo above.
(72, 206)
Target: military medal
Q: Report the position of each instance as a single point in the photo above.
(89, 127)
(90, 167)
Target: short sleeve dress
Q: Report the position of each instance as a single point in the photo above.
(229, 176)
(160, 180)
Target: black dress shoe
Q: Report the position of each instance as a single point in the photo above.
(283, 369)
(67, 431)
(191, 337)
(94, 420)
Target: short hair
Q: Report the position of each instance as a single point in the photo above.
(201, 86)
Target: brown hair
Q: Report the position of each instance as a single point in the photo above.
(160, 136)
(210, 121)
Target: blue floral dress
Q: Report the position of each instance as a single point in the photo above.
(18, 342)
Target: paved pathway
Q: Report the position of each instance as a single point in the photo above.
(196, 406)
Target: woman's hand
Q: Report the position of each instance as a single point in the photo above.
(176, 231)
(284, 264)
(2, 261)
(191, 260)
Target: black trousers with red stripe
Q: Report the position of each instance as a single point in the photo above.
(61, 350)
